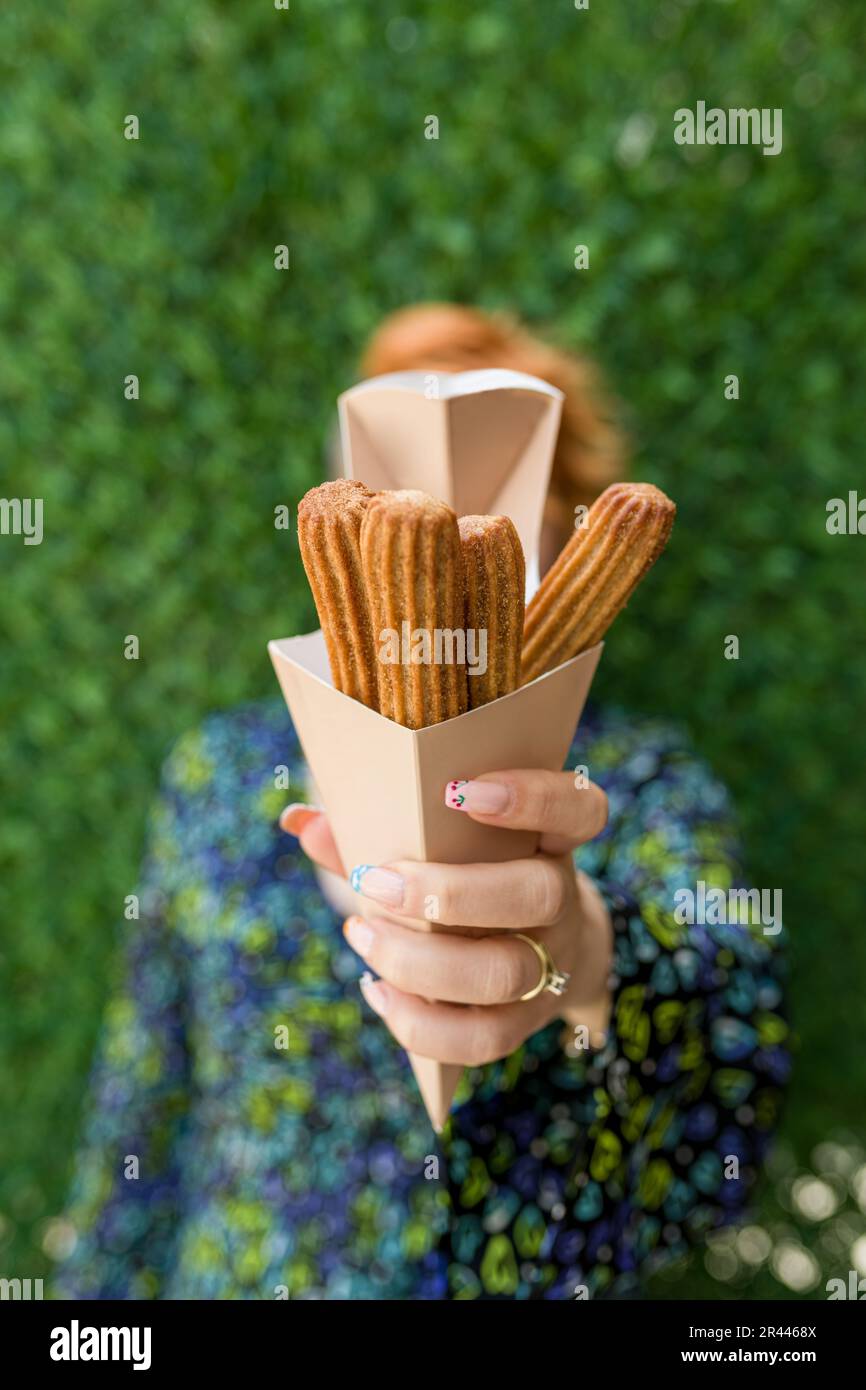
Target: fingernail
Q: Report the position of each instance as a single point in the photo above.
(358, 935)
(295, 818)
(383, 885)
(374, 994)
(484, 798)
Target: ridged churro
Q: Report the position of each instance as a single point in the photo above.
(412, 565)
(329, 529)
(495, 577)
(595, 575)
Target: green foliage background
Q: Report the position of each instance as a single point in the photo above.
(260, 127)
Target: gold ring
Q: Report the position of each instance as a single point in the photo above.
(552, 979)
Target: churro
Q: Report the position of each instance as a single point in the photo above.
(413, 570)
(329, 529)
(595, 575)
(495, 578)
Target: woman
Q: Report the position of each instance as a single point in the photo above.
(255, 1129)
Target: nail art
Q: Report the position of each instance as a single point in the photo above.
(454, 796)
(479, 798)
(382, 885)
(357, 874)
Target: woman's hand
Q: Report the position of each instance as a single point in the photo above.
(477, 982)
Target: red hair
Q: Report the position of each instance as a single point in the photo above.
(590, 450)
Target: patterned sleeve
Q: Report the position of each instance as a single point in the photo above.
(606, 1164)
(124, 1201)
(171, 1027)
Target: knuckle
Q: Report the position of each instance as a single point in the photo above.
(445, 903)
(532, 801)
(521, 798)
(545, 803)
(414, 892)
(549, 894)
(428, 897)
(503, 973)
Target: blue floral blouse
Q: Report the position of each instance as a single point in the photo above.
(218, 1163)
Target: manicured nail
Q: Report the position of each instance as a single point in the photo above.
(374, 994)
(295, 819)
(358, 935)
(484, 798)
(382, 885)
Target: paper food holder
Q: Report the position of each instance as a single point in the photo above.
(483, 442)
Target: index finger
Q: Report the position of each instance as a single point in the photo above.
(561, 805)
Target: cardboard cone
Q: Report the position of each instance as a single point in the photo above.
(383, 786)
(437, 1082)
(483, 442)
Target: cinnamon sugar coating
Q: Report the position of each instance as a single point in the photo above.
(329, 531)
(495, 578)
(595, 575)
(412, 565)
